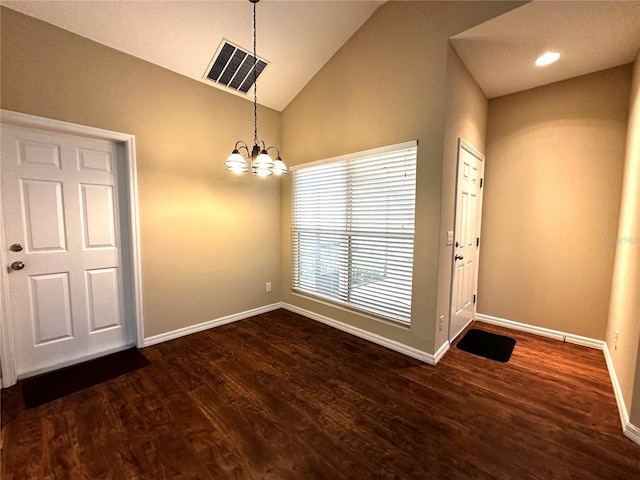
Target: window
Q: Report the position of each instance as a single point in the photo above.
(353, 229)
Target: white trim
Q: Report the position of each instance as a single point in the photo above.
(372, 337)
(7, 345)
(463, 328)
(617, 391)
(632, 433)
(58, 126)
(630, 430)
(544, 332)
(349, 156)
(134, 238)
(444, 348)
(7, 354)
(462, 143)
(181, 332)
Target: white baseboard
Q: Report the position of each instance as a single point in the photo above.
(617, 391)
(372, 337)
(441, 351)
(544, 332)
(630, 430)
(181, 332)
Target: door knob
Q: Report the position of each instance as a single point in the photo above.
(459, 257)
(16, 247)
(17, 265)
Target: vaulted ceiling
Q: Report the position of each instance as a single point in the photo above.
(298, 37)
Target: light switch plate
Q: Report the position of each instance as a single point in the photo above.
(450, 237)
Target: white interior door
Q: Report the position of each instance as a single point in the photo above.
(466, 247)
(62, 230)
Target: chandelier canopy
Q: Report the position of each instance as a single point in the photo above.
(257, 159)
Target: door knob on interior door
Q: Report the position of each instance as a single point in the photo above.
(17, 265)
(459, 257)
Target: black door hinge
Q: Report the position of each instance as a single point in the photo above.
(474, 299)
(477, 241)
(481, 182)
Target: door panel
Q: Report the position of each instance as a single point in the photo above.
(59, 198)
(43, 215)
(104, 299)
(98, 216)
(94, 160)
(38, 153)
(50, 302)
(467, 231)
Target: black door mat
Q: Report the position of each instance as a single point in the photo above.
(59, 383)
(487, 344)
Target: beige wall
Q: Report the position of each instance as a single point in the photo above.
(209, 240)
(386, 85)
(466, 118)
(624, 313)
(553, 175)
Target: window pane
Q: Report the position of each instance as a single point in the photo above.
(382, 269)
(353, 227)
(321, 263)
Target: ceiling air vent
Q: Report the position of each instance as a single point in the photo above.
(234, 67)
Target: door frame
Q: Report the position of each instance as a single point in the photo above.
(464, 145)
(129, 195)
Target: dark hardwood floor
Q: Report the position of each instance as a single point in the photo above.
(279, 396)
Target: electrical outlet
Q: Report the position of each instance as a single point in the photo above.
(441, 323)
(615, 340)
(268, 287)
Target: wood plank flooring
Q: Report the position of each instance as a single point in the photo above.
(279, 396)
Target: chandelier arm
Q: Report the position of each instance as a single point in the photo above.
(241, 145)
(274, 147)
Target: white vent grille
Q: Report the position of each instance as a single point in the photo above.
(234, 67)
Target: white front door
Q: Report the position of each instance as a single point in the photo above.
(63, 238)
(466, 238)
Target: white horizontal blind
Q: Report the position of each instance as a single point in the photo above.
(353, 229)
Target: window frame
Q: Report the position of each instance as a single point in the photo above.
(349, 236)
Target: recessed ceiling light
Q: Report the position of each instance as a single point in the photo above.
(547, 58)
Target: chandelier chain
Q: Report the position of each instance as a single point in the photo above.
(257, 159)
(255, 83)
